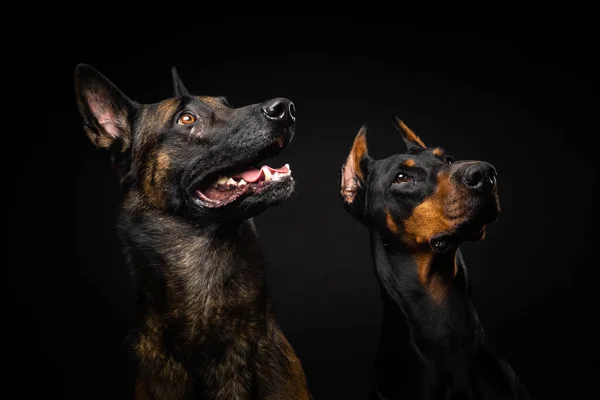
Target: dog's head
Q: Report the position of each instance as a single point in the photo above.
(421, 198)
(193, 156)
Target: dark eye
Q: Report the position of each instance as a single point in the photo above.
(186, 119)
(449, 160)
(403, 178)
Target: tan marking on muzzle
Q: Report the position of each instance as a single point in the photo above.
(439, 213)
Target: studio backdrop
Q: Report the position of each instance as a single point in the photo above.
(476, 96)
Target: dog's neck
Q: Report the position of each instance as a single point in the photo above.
(196, 275)
(203, 316)
(428, 313)
(431, 291)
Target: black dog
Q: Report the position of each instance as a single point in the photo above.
(419, 206)
(205, 327)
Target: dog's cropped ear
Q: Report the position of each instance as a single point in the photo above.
(178, 86)
(354, 171)
(105, 110)
(411, 140)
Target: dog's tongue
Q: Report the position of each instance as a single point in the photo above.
(253, 174)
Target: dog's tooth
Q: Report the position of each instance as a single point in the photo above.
(268, 174)
(276, 176)
(222, 180)
(242, 182)
(231, 182)
(287, 166)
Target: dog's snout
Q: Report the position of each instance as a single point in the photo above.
(279, 109)
(480, 176)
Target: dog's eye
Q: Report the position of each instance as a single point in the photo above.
(449, 160)
(186, 119)
(403, 178)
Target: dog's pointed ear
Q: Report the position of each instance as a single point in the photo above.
(411, 140)
(179, 88)
(105, 110)
(354, 170)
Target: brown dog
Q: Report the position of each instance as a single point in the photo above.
(187, 167)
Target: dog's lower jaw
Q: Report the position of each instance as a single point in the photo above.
(242, 208)
(206, 315)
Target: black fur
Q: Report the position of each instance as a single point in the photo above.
(418, 210)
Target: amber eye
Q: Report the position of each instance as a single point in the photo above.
(186, 119)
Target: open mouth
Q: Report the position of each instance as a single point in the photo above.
(227, 185)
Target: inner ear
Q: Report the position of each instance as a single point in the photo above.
(349, 184)
(105, 110)
(411, 140)
(353, 173)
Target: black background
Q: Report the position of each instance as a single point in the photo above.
(515, 93)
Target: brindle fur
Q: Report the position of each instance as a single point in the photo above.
(205, 326)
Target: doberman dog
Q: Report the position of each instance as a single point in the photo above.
(419, 206)
(191, 182)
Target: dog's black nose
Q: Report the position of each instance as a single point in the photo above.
(279, 109)
(480, 176)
